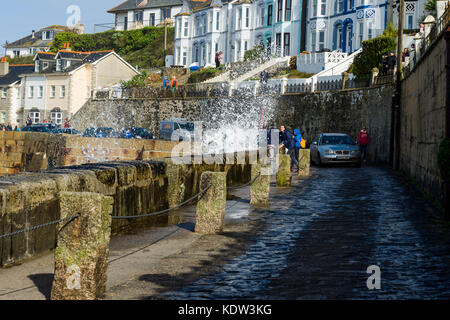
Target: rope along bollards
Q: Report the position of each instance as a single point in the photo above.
(12, 234)
(246, 184)
(201, 193)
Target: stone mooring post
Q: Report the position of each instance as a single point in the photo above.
(81, 255)
(284, 171)
(304, 162)
(210, 213)
(260, 188)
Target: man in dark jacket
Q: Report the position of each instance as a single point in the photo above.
(287, 141)
(391, 61)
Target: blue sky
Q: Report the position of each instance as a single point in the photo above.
(19, 17)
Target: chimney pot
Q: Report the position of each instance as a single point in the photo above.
(4, 67)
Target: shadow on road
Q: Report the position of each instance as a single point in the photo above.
(43, 281)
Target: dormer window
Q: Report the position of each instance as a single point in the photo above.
(37, 66)
(47, 35)
(58, 65)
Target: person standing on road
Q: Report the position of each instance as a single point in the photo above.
(287, 141)
(298, 140)
(363, 140)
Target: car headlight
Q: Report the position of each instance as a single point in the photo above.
(355, 152)
(329, 151)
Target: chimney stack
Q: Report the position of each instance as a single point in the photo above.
(4, 66)
(32, 34)
(66, 46)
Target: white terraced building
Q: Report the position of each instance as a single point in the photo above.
(287, 27)
(233, 27)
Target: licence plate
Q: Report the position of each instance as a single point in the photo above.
(344, 157)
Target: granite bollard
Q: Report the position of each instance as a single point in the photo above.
(304, 162)
(284, 171)
(260, 188)
(210, 213)
(81, 255)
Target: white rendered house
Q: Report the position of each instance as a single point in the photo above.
(135, 14)
(233, 27)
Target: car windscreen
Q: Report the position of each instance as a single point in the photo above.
(330, 140)
(189, 126)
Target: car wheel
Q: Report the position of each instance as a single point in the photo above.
(311, 161)
(319, 162)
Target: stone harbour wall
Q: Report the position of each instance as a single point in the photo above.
(138, 187)
(31, 151)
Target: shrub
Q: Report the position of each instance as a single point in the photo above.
(138, 81)
(203, 74)
(293, 63)
(370, 57)
(255, 53)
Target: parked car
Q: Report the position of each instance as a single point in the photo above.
(106, 132)
(178, 129)
(36, 128)
(65, 131)
(330, 148)
(138, 133)
(49, 125)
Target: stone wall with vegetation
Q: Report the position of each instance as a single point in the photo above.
(137, 187)
(423, 119)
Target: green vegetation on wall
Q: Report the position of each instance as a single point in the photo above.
(21, 60)
(142, 47)
(204, 74)
(138, 81)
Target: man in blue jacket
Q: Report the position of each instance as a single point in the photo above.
(287, 141)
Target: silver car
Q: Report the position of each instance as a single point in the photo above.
(328, 148)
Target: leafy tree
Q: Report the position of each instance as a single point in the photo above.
(370, 57)
(430, 7)
(390, 31)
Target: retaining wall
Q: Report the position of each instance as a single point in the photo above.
(422, 118)
(332, 111)
(31, 151)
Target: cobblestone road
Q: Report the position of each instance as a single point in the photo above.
(325, 231)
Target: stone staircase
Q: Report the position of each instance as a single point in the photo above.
(282, 61)
(228, 75)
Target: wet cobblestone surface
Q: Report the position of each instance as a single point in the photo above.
(325, 231)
